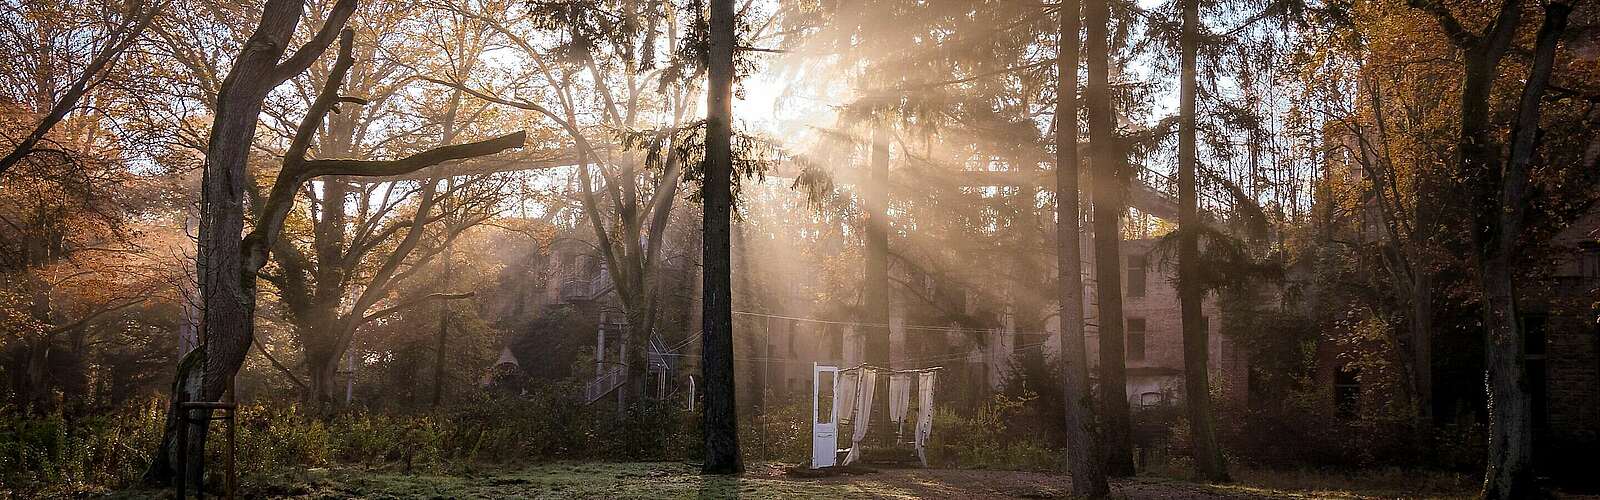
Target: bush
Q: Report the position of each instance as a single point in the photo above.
(985, 439)
(780, 433)
(54, 455)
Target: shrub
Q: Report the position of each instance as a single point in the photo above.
(985, 439)
(53, 455)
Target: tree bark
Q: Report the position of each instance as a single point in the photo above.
(228, 294)
(875, 287)
(34, 393)
(637, 342)
(1107, 163)
(1510, 471)
(1422, 342)
(439, 340)
(721, 416)
(323, 364)
(1085, 463)
(876, 284)
(1208, 460)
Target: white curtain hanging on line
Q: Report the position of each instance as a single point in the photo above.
(924, 413)
(844, 394)
(864, 389)
(899, 396)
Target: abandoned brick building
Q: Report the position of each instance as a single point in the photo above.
(1563, 343)
(1559, 309)
(777, 342)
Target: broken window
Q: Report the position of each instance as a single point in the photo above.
(1151, 399)
(1136, 275)
(1347, 392)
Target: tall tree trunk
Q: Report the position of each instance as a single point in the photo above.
(440, 342)
(876, 286)
(875, 197)
(228, 294)
(322, 367)
(1501, 213)
(440, 338)
(1085, 462)
(1208, 461)
(721, 416)
(1107, 183)
(34, 392)
(1422, 342)
(636, 342)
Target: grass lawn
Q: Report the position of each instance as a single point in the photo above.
(676, 480)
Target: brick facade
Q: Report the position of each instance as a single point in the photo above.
(1571, 350)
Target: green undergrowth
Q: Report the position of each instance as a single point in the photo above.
(1330, 483)
(552, 480)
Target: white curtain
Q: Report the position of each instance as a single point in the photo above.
(858, 427)
(924, 413)
(844, 394)
(899, 396)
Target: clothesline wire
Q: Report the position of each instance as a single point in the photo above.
(942, 357)
(934, 328)
(949, 329)
(890, 371)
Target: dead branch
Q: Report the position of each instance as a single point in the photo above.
(405, 304)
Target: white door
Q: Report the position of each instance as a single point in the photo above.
(824, 416)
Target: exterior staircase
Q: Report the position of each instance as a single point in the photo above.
(605, 383)
(609, 379)
(611, 375)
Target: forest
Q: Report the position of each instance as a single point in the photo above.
(799, 249)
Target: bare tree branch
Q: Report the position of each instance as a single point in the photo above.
(1448, 22)
(405, 304)
(308, 53)
(431, 157)
(279, 366)
(95, 315)
(118, 42)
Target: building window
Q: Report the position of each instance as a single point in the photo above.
(1347, 392)
(1534, 333)
(1589, 263)
(1151, 399)
(836, 345)
(1135, 338)
(789, 329)
(1136, 274)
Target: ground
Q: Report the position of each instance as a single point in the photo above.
(677, 480)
